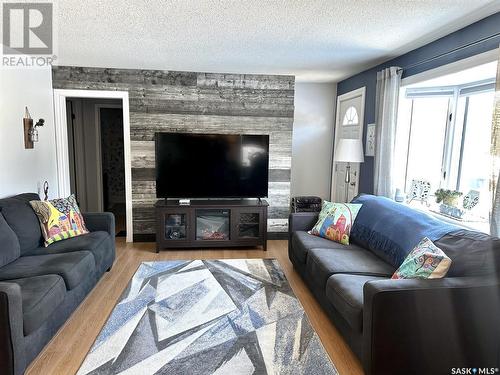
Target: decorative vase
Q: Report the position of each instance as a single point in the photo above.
(399, 196)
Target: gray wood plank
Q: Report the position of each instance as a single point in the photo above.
(143, 174)
(64, 76)
(279, 175)
(278, 212)
(155, 105)
(257, 81)
(145, 124)
(212, 94)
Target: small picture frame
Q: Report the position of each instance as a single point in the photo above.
(370, 140)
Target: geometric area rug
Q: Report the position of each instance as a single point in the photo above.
(231, 316)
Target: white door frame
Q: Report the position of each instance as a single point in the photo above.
(62, 154)
(338, 121)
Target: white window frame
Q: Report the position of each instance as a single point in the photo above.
(443, 70)
(453, 93)
(454, 67)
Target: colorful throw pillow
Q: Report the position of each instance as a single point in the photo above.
(425, 261)
(59, 218)
(335, 221)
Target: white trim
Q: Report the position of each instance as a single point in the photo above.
(361, 117)
(454, 67)
(60, 122)
(62, 153)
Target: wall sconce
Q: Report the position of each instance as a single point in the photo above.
(30, 131)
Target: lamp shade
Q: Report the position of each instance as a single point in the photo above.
(349, 150)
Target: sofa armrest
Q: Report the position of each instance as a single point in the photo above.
(301, 221)
(12, 359)
(97, 221)
(431, 326)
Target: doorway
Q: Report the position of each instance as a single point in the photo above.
(96, 156)
(348, 124)
(67, 182)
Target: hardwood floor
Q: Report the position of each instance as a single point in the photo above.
(66, 351)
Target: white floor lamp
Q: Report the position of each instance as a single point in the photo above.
(349, 151)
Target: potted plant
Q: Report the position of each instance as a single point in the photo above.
(449, 202)
(448, 197)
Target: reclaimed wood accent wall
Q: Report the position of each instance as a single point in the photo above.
(197, 103)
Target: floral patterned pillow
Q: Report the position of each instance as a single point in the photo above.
(59, 219)
(425, 261)
(335, 221)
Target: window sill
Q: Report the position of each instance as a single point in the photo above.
(476, 224)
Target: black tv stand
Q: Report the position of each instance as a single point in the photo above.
(211, 223)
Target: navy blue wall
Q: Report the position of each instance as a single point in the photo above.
(368, 78)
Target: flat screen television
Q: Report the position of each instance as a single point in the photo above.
(211, 165)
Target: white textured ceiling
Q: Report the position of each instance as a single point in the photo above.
(312, 39)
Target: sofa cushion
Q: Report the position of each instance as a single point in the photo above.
(472, 253)
(345, 293)
(21, 218)
(9, 244)
(41, 295)
(391, 230)
(302, 242)
(92, 242)
(72, 267)
(322, 263)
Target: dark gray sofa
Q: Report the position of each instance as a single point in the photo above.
(41, 286)
(406, 326)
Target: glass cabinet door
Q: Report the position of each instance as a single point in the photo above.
(248, 225)
(176, 226)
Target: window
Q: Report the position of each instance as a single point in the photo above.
(474, 169)
(350, 117)
(444, 135)
(426, 139)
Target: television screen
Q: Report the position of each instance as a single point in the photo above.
(211, 165)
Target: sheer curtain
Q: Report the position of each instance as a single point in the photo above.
(386, 113)
(495, 153)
